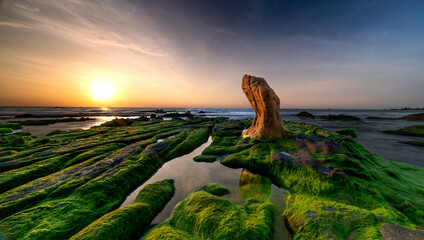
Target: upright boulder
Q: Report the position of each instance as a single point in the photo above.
(265, 102)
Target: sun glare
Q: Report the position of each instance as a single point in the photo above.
(102, 91)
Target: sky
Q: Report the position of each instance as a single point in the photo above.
(167, 53)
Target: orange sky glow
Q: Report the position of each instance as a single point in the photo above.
(52, 52)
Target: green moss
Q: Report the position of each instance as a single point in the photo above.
(372, 183)
(206, 216)
(205, 158)
(313, 218)
(67, 180)
(14, 126)
(54, 132)
(215, 189)
(165, 231)
(129, 221)
(5, 130)
(14, 178)
(347, 132)
(61, 204)
(417, 130)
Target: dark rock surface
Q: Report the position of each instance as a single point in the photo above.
(391, 231)
(305, 114)
(342, 117)
(414, 117)
(306, 145)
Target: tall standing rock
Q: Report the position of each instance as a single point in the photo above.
(265, 102)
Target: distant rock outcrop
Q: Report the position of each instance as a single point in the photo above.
(305, 114)
(342, 117)
(265, 102)
(414, 117)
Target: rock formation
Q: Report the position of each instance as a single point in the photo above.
(265, 102)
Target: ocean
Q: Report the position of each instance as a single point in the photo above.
(370, 131)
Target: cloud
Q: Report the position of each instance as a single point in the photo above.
(90, 23)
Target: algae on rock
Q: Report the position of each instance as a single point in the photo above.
(74, 193)
(206, 216)
(129, 221)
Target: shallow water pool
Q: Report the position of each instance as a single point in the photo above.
(190, 176)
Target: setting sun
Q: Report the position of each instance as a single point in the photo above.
(102, 91)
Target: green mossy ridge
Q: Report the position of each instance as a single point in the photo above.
(105, 137)
(5, 130)
(17, 177)
(205, 158)
(318, 217)
(226, 139)
(129, 221)
(392, 190)
(215, 189)
(61, 204)
(417, 131)
(414, 143)
(14, 126)
(347, 132)
(15, 141)
(206, 216)
(55, 185)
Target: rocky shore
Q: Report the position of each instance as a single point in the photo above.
(71, 184)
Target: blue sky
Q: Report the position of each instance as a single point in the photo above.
(315, 54)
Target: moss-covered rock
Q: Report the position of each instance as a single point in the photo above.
(76, 184)
(365, 188)
(14, 126)
(205, 158)
(129, 221)
(347, 132)
(206, 216)
(417, 131)
(5, 130)
(414, 117)
(55, 186)
(215, 189)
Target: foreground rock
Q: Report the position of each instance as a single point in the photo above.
(57, 185)
(206, 216)
(128, 222)
(267, 121)
(338, 189)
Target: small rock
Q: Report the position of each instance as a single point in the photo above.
(305, 114)
(391, 231)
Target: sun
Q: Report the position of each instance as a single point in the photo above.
(102, 91)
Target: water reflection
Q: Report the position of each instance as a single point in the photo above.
(254, 186)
